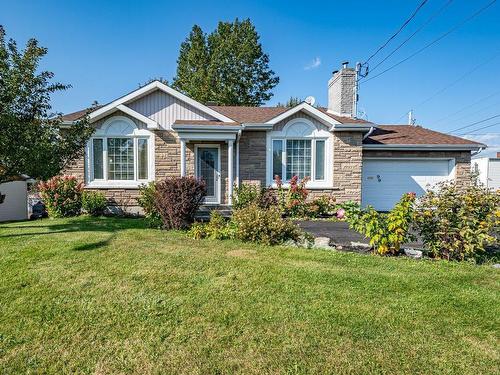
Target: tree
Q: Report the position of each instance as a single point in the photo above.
(32, 140)
(291, 102)
(228, 67)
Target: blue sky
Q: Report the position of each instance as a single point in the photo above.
(107, 48)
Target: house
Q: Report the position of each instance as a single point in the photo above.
(488, 170)
(156, 131)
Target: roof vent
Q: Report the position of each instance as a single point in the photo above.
(211, 103)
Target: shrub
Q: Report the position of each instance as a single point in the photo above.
(177, 199)
(247, 194)
(93, 202)
(265, 226)
(457, 222)
(386, 231)
(62, 196)
(319, 207)
(292, 199)
(146, 200)
(218, 228)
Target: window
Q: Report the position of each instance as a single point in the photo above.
(303, 148)
(119, 153)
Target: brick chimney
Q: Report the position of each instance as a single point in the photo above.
(342, 91)
(498, 154)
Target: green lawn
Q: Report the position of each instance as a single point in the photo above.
(110, 296)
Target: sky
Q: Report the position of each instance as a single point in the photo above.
(105, 49)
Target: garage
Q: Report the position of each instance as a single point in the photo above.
(385, 180)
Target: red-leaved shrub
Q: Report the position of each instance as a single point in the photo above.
(177, 199)
(62, 196)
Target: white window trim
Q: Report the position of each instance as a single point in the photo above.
(102, 133)
(316, 134)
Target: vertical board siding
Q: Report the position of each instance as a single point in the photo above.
(165, 109)
(319, 125)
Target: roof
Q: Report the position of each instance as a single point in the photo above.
(73, 116)
(413, 135)
(244, 114)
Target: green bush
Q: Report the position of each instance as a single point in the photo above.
(265, 226)
(247, 194)
(319, 207)
(292, 199)
(62, 196)
(93, 202)
(218, 228)
(146, 200)
(457, 223)
(386, 231)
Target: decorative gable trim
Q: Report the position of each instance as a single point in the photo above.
(150, 123)
(155, 85)
(310, 110)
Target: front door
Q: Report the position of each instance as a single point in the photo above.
(208, 169)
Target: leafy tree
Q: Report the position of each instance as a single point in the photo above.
(32, 141)
(291, 102)
(228, 67)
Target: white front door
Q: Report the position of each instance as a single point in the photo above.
(208, 169)
(384, 181)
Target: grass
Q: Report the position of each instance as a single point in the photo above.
(110, 296)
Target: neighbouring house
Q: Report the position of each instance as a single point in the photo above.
(488, 171)
(155, 132)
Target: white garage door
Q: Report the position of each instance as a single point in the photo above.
(385, 180)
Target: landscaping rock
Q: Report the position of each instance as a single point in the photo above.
(322, 243)
(496, 265)
(412, 253)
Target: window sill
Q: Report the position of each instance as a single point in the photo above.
(115, 184)
(309, 186)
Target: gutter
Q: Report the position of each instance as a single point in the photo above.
(426, 147)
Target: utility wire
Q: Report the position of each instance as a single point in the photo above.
(467, 107)
(429, 20)
(466, 74)
(474, 123)
(484, 127)
(442, 36)
(397, 32)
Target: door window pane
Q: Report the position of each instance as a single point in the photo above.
(277, 158)
(207, 168)
(298, 158)
(120, 159)
(142, 158)
(97, 162)
(319, 170)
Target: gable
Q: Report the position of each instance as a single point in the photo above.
(166, 109)
(281, 124)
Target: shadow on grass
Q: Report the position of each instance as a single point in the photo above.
(79, 224)
(94, 245)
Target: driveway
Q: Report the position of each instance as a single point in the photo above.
(338, 232)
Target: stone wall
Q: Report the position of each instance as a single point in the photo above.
(253, 157)
(347, 163)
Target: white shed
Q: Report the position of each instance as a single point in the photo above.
(14, 195)
(488, 170)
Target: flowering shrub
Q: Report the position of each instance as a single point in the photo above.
(386, 231)
(146, 200)
(62, 196)
(177, 199)
(458, 223)
(319, 207)
(291, 200)
(93, 202)
(265, 226)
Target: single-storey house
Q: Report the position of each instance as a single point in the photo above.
(155, 132)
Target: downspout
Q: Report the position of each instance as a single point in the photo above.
(476, 152)
(369, 132)
(237, 174)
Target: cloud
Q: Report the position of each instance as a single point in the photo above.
(316, 62)
(492, 140)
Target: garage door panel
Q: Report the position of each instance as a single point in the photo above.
(384, 180)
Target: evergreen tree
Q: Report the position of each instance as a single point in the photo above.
(291, 102)
(228, 67)
(31, 139)
(192, 64)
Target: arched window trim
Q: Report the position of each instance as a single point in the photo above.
(110, 150)
(310, 136)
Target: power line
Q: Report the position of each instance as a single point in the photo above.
(442, 36)
(474, 123)
(484, 127)
(429, 20)
(397, 32)
(466, 74)
(467, 107)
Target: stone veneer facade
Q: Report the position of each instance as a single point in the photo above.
(347, 165)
